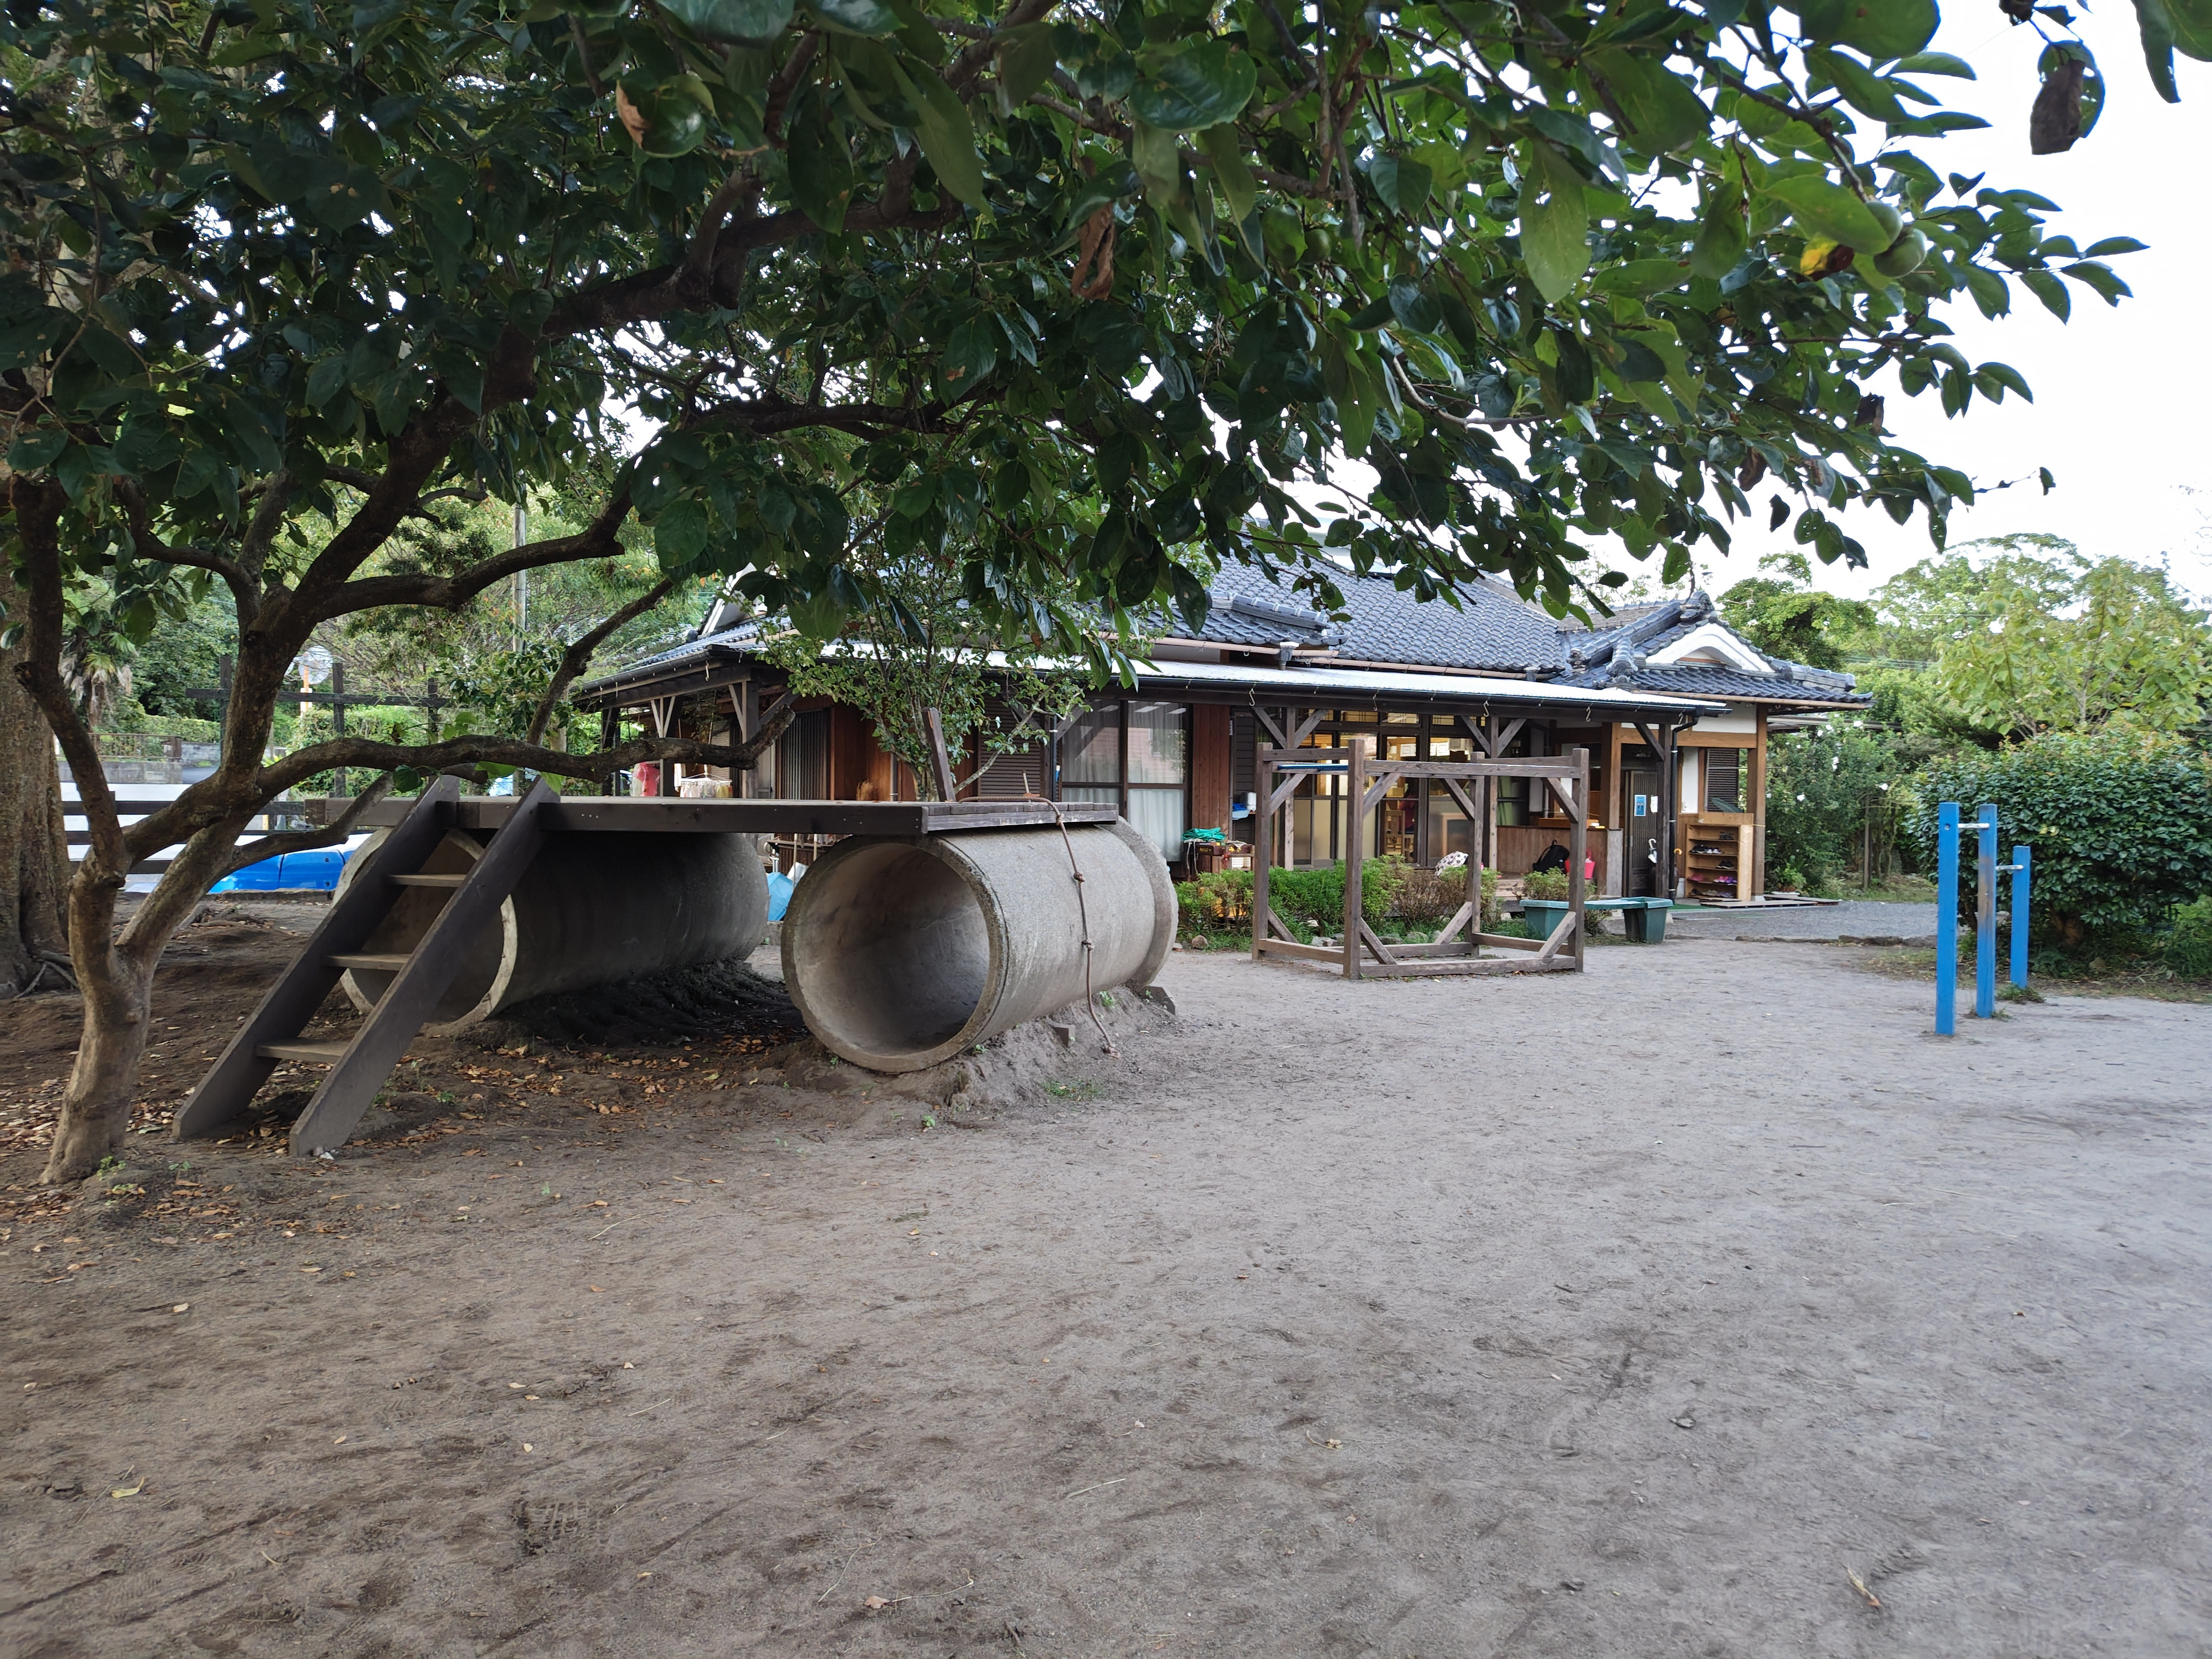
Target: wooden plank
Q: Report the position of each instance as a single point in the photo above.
(317, 1053)
(1578, 855)
(589, 814)
(1509, 941)
(1466, 913)
(1569, 925)
(1355, 851)
(1469, 968)
(1288, 947)
(1383, 952)
(1549, 768)
(940, 762)
(375, 962)
(390, 1026)
(291, 1002)
(1457, 947)
(1379, 788)
(1263, 851)
(1465, 803)
(420, 880)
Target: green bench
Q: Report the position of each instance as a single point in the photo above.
(1645, 919)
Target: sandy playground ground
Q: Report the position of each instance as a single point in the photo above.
(1704, 1305)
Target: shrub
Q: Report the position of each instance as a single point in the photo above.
(2121, 823)
(2189, 947)
(1545, 884)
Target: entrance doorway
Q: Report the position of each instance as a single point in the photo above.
(1641, 784)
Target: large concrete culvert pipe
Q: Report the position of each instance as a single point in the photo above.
(901, 953)
(591, 910)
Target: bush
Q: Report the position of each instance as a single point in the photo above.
(2121, 823)
(1221, 902)
(1546, 884)
(2188, 950)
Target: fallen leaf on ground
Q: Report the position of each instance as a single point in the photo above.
(127, 1491)
(1859, 1584)
(875, 1602)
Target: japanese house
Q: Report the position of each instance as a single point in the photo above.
(1674, 708)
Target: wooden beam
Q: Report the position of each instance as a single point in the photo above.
(1263, 850)
(1509, 941)
(1469, 968)
(1569, 925)
(1578, 852)
(1355, 837)
(388, 1028)
(1383, 952)
(1291, 947)
(940, 762)
(291, 1002)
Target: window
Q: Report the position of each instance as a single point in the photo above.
(1724, 770)
(1157, 742)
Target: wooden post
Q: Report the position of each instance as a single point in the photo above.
(1577, 839)
(1757, 786)
(338, 721)
(940, 763)
(1263, 849)
(1355, 850)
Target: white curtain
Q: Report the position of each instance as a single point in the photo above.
(1157, 815)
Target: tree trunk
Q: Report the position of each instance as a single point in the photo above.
(118, 988)
(34, 864)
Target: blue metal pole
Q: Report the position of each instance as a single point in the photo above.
(1946, 917)
(1985, 913)
(2022, 859)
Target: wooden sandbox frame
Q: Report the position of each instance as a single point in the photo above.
(1362, 955)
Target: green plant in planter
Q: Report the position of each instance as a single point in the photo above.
(1544, 885)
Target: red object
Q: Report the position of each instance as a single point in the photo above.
(1590, 869)
(647, 776)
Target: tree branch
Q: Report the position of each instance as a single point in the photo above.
(578, 656)
(262, 848)
(244, 591)
(363, 752)
(600, 539)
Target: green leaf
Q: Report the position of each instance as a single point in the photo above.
(1663, 112)
(1026, 61)
(2046, 287)
(1413, 309)
(821, 165)
(1224, 149)
(2191, 24)
(1202, 86)
(2113, 245)
(35, 450)
(1884, 30)
(1936, 63)
(1402, 182)
(856, 17)
(1992, 295)
(971, 353)
(2103, 278)
(732, 20)
(679, 534)
(2157, 27)
(1554, 222)
(1863, 90)
(1721, 233)
(1824, 212)
(2001, 374)
(947, 137)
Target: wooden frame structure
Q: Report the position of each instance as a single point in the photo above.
(1362, 954)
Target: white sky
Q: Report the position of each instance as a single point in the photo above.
(2119, 416)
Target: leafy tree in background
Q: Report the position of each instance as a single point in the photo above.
(1105, 282)
(1785, 616)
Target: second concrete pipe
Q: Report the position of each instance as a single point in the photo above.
(901, 953)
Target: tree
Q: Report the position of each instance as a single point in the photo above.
(1785, 616)
(912, 644)
(34, 865)
(1100, 285)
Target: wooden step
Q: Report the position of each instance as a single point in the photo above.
(382, 962)
(317, 1053)
(448, 882)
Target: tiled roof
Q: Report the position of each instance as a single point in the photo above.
(1490, 627)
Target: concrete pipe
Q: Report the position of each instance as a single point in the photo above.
(591, 910)
(901, 953)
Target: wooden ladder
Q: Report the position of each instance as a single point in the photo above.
(360, 1065)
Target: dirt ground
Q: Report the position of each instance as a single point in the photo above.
(1631, 1314)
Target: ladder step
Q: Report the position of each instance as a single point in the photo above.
(320, 1054)
(379, 962)
(429, 881)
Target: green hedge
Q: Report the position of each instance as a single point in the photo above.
(1390, 890)
(2121, 824)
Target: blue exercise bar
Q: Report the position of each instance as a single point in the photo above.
(1948, 824)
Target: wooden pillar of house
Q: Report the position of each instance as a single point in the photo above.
(1210, 766)
(609, 735)
(1757, 787)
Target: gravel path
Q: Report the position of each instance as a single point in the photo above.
(1849, 919)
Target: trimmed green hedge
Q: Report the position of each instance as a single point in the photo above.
(2121, 824)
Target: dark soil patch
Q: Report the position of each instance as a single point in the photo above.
(718, 1000)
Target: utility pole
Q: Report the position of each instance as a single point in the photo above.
(521, 577)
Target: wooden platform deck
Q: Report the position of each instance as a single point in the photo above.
(588, 813)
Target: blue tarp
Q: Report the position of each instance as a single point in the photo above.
(779, 894)
(291, 872)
